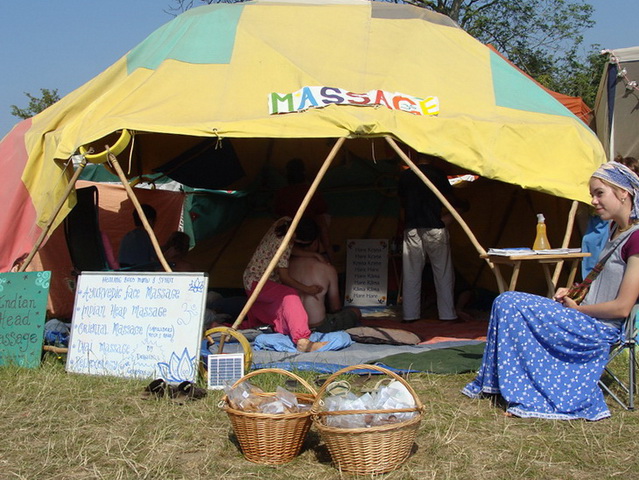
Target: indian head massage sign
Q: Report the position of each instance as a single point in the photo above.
(138, 325)
(366, 272)
(23, 306)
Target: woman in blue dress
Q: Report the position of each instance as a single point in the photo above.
(545, 356)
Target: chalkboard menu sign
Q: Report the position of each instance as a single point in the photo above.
(366, 272)
(23, 306)
(138, 325)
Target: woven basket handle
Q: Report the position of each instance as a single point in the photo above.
(279, 371)
(418, 404)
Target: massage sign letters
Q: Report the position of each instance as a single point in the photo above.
(366, 272)
(318, 97)
(23, 305)
(138, 325)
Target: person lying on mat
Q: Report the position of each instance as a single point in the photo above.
(278, 303)
(545, 356)
(309, 269)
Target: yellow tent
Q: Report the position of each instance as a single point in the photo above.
(276, 79)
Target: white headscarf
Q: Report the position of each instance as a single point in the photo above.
(621, 176)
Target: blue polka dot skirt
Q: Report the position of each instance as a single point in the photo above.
(544, 359)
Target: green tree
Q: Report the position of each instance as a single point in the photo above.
(580, 76)
(542, 37)
(36, 104)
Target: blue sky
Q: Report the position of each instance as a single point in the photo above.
(64, 43)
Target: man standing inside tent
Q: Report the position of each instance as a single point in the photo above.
(426, 236)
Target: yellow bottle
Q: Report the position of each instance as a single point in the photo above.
(541, 239)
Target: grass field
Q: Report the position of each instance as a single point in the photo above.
(66, 426)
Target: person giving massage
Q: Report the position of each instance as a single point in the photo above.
(279, 303)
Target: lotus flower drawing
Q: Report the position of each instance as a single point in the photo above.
(179, 368)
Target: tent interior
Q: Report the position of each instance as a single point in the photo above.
(224, 121)
(359, 187)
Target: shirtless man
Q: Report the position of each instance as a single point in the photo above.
(278, 302)
(312, 271)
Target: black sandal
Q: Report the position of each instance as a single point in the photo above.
(156, 389)
(188, 391)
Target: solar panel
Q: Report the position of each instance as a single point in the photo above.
(224, 369)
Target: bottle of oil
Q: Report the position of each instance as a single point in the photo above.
(541, 239)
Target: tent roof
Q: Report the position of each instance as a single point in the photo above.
(617, 101)
(575, 104)
(212, 71)
(629, 54)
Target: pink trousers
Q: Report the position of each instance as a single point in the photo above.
(279, 305)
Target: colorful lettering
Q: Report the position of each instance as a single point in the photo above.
(307, 96)
(331, 98)
(364, 98)
(275, 100)
(318, 97)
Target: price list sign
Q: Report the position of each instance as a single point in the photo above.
(138, 325)
(366, 272)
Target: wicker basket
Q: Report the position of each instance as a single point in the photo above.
(271, 439)
(372, 450)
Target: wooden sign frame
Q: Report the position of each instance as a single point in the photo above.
(138, 325)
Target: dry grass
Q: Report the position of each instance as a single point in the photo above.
(62, 426)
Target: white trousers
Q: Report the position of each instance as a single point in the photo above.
(420, 243)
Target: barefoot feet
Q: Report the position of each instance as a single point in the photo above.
(305, 345)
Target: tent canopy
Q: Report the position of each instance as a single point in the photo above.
(575, 104)
(617, 103)
(344, 69)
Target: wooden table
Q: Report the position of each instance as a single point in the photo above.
(545, 260)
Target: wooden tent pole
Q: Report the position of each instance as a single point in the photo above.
(441, 197)
(289, 233)
(138, 207)
(569, 226)
(56, 211)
